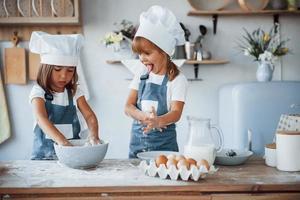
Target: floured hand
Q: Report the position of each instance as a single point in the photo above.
(152, 122)
(93, 140)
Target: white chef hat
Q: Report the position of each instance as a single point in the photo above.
(160, 26)
(61, 50)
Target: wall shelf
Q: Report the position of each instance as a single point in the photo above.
(195, 63)
(32, 19)
(51, 23)
(240, 12)
(189, 62)
(215, 14)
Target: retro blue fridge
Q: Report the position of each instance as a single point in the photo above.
(256, 106)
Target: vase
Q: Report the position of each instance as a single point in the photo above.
(264, 71)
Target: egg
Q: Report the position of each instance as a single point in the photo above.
(182, 163)
(191, 161)
(161, 159)
(179, 157)
(171, 162)
(204, 163)
(171, 156)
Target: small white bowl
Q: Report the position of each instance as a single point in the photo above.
(241, 157)
(81, 156)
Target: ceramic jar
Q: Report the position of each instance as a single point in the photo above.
(270, 155)
(287, 152)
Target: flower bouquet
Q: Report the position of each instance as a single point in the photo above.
(125, 31)
(265, 47)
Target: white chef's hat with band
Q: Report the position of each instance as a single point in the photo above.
(60, 50)
(160, 26)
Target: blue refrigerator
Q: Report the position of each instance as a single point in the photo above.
(255, 106)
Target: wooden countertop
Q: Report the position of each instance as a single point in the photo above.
(27, 176)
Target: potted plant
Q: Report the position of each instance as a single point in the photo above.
(265, 47)
(120, 39)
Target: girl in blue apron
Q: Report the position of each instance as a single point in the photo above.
(57, 96)
(158, 92)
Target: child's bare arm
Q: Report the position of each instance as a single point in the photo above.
(90, 119)
(44, 123)
(131, 109)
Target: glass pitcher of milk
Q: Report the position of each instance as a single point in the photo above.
(200, 143)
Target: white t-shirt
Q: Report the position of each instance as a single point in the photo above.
(176, 89)
(60, 98)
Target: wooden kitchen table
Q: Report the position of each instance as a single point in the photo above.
(121, 179)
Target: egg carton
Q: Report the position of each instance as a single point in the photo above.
(194, 173)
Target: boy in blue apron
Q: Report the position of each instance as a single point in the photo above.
(158, 92)
(57, 97)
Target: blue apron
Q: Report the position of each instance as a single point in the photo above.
(153, 140)
(43, 147)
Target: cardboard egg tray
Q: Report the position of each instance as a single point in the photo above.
(194, 173)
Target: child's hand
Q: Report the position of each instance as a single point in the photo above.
(152, 122)
(144, 118)
(65, 143)
(94, 140)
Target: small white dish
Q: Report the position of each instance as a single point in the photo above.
(151, 155)
(232, 157)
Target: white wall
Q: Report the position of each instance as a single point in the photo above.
(108, 86)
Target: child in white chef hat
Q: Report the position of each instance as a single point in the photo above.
(56, 97)
(157, 95)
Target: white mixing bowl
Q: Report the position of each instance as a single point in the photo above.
(81, 156)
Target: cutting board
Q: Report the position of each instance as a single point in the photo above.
(34, 64)
(15, 64)
(4, 120)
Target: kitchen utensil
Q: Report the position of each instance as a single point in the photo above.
(24, 7)
(151, 155)
(208, 5)
(190, 50)
(4, 118)
(180, 52)
(81, 156)
(62, 8)
(15, 63)
(249, 132)
(187, 33)
(206, 55)
(203, 30)
(287, 150)
(200, 144)
(34, 65)
(232, 156)
(199, 44)
(251, 5)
